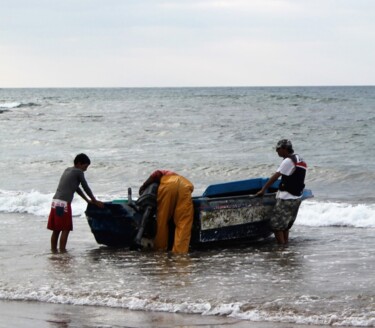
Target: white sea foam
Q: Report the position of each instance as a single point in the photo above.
(9, 105)
(311, 213)
(321, 214)
(258, 313)
(33, 202)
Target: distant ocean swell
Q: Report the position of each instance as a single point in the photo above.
(312, 213)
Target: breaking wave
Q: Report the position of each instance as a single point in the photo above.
(311, 213)
(11, 105)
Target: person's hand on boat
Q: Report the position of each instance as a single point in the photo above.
(260, 193)
(97, 203)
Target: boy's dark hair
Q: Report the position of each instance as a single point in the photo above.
(82, 158)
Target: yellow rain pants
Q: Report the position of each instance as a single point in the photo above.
(174, 201)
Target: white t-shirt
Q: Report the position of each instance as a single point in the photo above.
(286, 167)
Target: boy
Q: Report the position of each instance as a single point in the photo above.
(60, 218)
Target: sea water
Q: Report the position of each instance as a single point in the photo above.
(209, 135)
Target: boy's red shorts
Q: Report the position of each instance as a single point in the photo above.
(60, 217)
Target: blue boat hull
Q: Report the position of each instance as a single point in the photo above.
(226, 213)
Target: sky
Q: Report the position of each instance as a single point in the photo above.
(186, 43)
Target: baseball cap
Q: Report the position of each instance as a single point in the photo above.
(284, 143)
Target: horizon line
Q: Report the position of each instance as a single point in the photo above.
(195, 87)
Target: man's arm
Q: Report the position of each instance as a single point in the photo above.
(269, 183)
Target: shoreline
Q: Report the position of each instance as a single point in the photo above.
(30, 314)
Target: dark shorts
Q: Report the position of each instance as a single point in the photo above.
(60, 216)
(284, 214)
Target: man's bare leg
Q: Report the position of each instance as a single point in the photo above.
(286, 236)
(279, 235)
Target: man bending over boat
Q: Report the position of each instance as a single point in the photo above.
(292, 171)
(173, 201)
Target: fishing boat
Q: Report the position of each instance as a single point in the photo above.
(226, 214)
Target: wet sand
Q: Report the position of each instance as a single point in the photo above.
(23, 314)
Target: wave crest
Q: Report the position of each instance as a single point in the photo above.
(324, 214)
(311, 213)
(11, 105)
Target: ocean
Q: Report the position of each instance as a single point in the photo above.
(209, 135)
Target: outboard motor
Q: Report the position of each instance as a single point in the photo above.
(147, 204)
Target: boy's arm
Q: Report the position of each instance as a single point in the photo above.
(93, 199)
(82, 194)
(88, 191)
(86, 188)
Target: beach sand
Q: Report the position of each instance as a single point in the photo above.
(17, 314)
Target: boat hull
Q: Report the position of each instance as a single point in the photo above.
(226, 214)
(115, 225)
(223, 219)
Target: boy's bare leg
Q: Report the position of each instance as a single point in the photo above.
(54, 239)
(64, 240)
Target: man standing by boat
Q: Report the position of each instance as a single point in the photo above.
(173, 201)
(292, 171)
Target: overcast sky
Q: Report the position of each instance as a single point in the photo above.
(157, 43)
